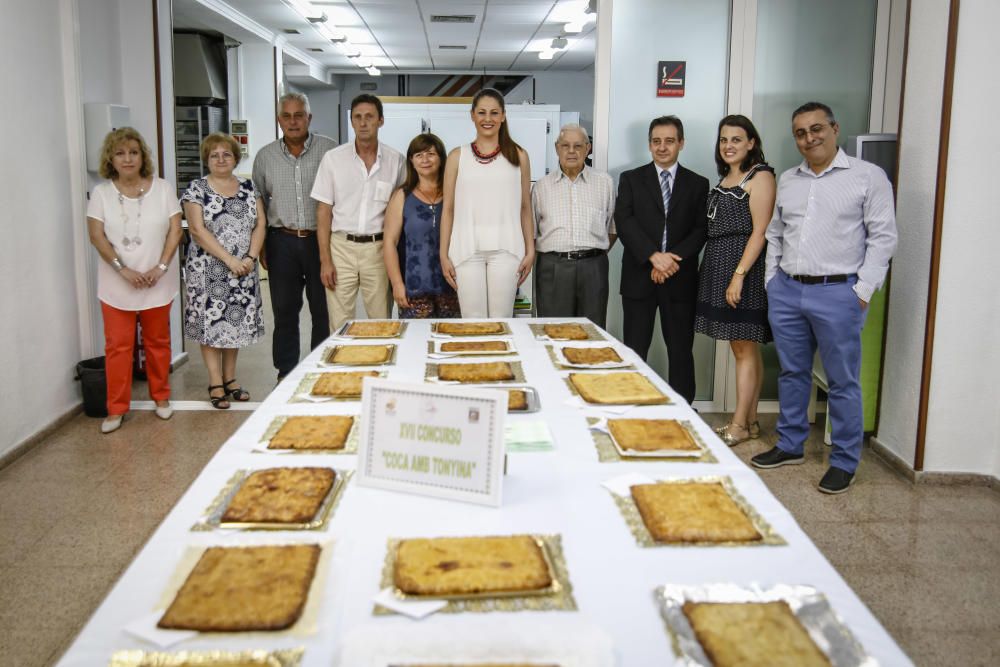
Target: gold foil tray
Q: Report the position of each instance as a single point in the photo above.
(504, 331)
(212, 519)
(593, 333)
(642, 536)
(342, 331)
(561, 365)
(434, 347)
(328, 353)
(304, 390)
(558, 596)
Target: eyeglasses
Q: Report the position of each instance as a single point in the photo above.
(221, 156)
(816, 130)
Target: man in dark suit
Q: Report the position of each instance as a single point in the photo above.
(660, 215)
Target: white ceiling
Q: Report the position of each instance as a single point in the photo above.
(399, 36)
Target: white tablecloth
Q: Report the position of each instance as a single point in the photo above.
(544, 492)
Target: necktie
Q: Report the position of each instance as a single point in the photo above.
(665, 190)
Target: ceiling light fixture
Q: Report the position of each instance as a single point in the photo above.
(373, 71)
(559, 43)
(330, 32)
(546, 54)
(307, 11)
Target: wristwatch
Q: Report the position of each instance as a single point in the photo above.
(162, 267)
(116, 264)
(740, 271)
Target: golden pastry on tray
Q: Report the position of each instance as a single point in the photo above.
(361, 354)
(343, 384)
(470, 328)
(475, 346)
(591, 355)
(517, 399)
(628, 388)
(234, 589)
(651, 435)
(565, 332)
(692, 512)
(752, 634)
(280, 495)
(453, 566)
(493, 371)
(373, 329)
(325, 432)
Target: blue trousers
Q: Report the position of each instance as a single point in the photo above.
(804, 318)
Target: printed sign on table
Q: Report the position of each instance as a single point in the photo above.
(432, 440)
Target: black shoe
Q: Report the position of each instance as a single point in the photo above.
(836, 481)
(774, 458)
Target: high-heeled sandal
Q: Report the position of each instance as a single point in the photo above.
(754, 429)
(218, 402)
(732, 440)
(239, 394)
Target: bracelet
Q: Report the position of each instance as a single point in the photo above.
(117, 265)
(249, 256)
(162, 267)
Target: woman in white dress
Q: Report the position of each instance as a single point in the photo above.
(134, 221)
(487, 231)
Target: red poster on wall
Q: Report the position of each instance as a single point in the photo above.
(671, 76)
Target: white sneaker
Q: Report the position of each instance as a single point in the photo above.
(164, 412)
(112, 423)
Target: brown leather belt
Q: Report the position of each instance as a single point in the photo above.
(364, 238)
(301, 233)
(579, 254)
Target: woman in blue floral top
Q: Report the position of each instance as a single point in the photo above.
(413, 234)
(223, 306)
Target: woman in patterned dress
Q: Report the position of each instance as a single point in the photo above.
(732, 303)
(413, 235)
(223, 312)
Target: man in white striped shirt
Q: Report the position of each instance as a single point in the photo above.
(574, 226)
(829, 243)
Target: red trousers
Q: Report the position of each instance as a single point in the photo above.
(119, 344)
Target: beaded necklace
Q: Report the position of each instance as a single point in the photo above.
(131, 242)
(482, 158)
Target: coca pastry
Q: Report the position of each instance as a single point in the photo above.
(233, 589)
(470, 328)
(326, 432)
(280, 495)
(493, 371)
(629, 388)
(470, 565)
(692, 512)
(343, 384)
(651, 435)
(591, 355)
(565, 332)
(475, 346)
(361, 354)
(752, 634)
(373, 329)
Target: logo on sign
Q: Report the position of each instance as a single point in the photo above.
(671, 76)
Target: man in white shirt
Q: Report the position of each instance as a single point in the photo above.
(352, 189)
(574, 221)
(828, 248)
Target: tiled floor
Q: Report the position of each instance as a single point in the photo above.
(925, 559)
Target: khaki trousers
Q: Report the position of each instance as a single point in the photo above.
(358, 265)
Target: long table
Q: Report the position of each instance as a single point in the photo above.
(554, 492)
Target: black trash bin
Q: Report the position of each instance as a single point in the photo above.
(94, 385)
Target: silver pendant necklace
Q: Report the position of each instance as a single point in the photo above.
(131, 242)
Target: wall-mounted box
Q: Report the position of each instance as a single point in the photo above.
(99, 119)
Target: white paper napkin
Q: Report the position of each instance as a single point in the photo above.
(413, 608)
(601, 425)
(314, 399)
(579, 403)
(621, 484)
(144, 628)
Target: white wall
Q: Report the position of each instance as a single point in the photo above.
(906, 318)
(326, 107)
(633, 103)
(258, 96)
(38, 342)
(963, 425)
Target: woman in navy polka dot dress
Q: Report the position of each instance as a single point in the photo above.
(732, 303)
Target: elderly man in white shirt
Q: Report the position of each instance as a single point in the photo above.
(574, 221)
(352, 190)
(828, 249)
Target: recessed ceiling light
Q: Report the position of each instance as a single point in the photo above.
(453, 18)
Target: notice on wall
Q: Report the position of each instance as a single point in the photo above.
(671, 77)
(432, 440)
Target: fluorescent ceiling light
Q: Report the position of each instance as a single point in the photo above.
(373, 71)
(362, 61)
(330, 32)
(559, 43)
(306, 10)
(546, 55)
